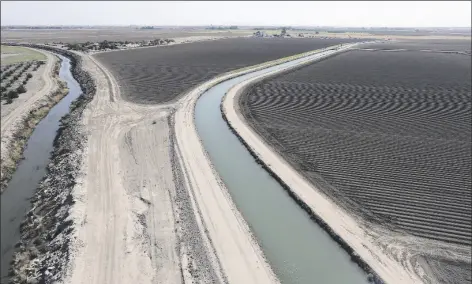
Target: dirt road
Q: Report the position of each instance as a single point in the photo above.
(124, 207)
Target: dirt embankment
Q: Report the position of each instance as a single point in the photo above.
(43, 249)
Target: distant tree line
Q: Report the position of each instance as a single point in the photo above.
(105, 45)
(222, 28)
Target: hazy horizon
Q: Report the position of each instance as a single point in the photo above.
(252, 26)
(411, 14)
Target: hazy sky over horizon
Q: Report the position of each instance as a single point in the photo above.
(313, 13)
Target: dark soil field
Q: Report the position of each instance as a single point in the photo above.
(387, 132)
(112, 34)
(436, 45)
(161, 74)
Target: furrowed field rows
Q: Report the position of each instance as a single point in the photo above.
(381, 105)
(158, 75)
(388, 131)
(439, 45)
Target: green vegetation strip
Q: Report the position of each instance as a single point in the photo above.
(16, 54)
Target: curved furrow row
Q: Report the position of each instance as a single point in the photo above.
(388, 131)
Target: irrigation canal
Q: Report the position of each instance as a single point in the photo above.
(298, 250)
(15, 200)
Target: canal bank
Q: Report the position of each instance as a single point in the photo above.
(297, 249)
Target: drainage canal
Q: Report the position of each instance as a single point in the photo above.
(15, 200)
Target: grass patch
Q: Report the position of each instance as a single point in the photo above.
(17, 54)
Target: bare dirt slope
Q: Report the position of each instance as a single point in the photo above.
(127, 227)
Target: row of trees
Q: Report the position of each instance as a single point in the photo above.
(13, 94)
(104, 45)
(19, 74)
(9, 95)
(222, 28)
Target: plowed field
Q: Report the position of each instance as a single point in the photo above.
(389, 132)
(158, 75)
(462, 45)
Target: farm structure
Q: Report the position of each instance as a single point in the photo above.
(385, 134)
(162, 74)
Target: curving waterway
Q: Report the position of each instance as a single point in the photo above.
(15, 200)
(298, 250)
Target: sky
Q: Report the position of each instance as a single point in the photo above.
(252, 13)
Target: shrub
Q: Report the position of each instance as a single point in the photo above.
(13, 94)
(21, 89)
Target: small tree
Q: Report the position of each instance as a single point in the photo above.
(21, 89)
(12, 94)
(29, 75)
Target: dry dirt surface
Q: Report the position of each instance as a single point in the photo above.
(388, 136)
(137, 220)
(100, 34)
(125, 221)
(162, 74)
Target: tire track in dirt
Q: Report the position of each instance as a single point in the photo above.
(125, 208)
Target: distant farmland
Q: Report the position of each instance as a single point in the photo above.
(462, 45)
(388, 132)
(161, 74)
(110, 34)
